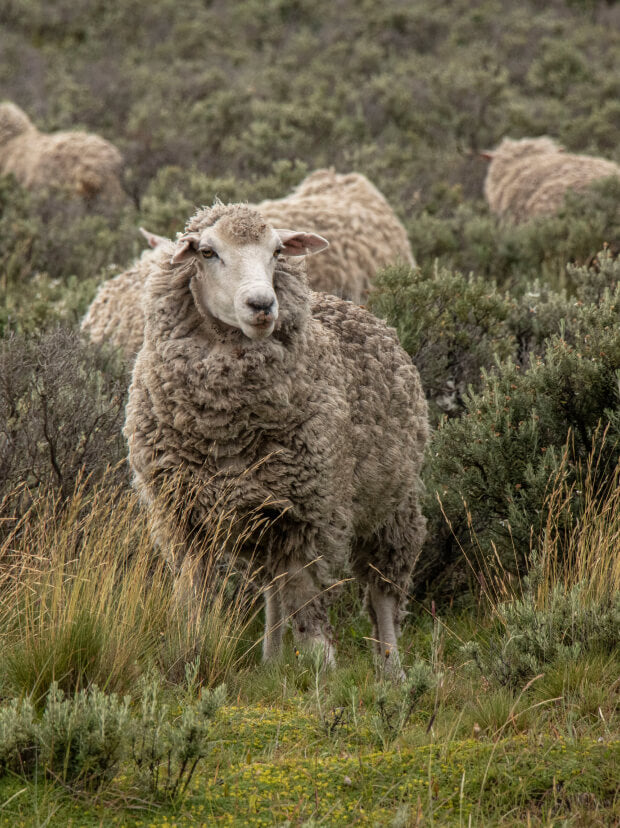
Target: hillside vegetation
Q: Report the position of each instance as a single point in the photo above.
(509, 712)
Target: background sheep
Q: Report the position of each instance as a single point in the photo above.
(265, 396)
(531, 177)
(78, 163)
(367, 235)
(116, 315)
(366, 232)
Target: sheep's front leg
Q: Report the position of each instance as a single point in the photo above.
(303, 601)
(384, 612)
(274, 622)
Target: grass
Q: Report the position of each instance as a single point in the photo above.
(83, 601)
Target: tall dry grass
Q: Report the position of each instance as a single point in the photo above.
(581, 551)
(579, 545)
(85, 599)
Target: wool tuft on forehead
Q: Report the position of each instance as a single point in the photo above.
(237, 222)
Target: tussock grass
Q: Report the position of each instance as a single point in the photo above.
(586, 555)
(85, 599)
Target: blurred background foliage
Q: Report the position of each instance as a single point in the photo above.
(516, 338)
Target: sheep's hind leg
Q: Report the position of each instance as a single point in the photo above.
(304, 603)
(384, 611)
(274, 622)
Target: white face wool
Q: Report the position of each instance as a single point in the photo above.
(234, 282)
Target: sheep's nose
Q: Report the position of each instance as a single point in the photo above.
(258, 304)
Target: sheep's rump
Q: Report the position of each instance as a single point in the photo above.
(116, 314)
(531, 177)
(76, 163)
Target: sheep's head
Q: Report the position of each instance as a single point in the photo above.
(235, 258)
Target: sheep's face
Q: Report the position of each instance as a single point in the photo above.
(235, 267)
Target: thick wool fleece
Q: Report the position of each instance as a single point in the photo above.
(116, 313)
(323, 423)
(531, 177)
(364, 233)
(76, 163)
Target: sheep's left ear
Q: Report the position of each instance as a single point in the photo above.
(298, 243)
(152, 238)
(187, 245)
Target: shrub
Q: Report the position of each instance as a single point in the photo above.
(61, 411)
(489, 471)
(81, 739)
(167, 753)
(535, 637)
(452, 326)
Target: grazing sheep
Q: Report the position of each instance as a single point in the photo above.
(266, 397)
(367, 236)
(366, 232)
(77, 163)
(115, 315)
(531, 177)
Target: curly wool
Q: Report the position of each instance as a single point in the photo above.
(531, 176)
(325, 420)
(78, 163)
(115, 315)
(365, 234)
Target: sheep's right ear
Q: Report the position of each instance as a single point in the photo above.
(152, 238)
(187, 245)
(487, 155)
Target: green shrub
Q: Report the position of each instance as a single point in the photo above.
(452, 326)
(394, 703)
(490, 472)
(164, 752)
(82, 739)
(534, 638)
(17, 737)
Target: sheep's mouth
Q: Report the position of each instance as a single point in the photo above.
(260, 328)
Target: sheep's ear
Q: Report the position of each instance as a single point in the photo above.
(152, 238)
(187, 245)
(298, 243)
(488, 156)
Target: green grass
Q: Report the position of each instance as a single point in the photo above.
(276, 762)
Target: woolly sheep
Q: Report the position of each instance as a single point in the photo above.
(531, 177)
(115, 315)
(76, 162)
(367, 236)
(264, 395)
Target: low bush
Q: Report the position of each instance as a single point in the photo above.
(82, 740)
(62, 406)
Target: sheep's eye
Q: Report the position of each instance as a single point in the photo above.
(208, 253)
(277, 252)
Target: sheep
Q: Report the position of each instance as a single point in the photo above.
(115, 315)
(255, 391)
(75, 163)
(531, 176)
(367, 236)
(366, 232)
